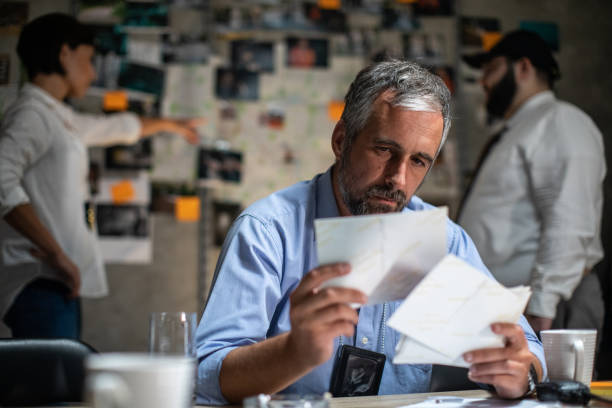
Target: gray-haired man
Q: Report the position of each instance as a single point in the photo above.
(269, 328)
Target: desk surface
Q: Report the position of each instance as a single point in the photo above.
(388, 401)
(384, 401)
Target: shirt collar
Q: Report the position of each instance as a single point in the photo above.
(36, 92)
(326, 201)
(529, 105)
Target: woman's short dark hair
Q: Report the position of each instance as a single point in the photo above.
(41, 40)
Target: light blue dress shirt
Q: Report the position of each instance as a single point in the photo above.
(268, 250)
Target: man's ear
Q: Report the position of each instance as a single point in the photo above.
(64, 55)
(338, 136)
(523, 69)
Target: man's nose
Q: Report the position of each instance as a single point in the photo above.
(396, 173)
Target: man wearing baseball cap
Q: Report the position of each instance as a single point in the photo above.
(534, 205)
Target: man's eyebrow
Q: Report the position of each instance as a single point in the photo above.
(393, 143)
(425, 157)
(397, 146)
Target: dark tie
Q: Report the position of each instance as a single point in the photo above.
(488, 147)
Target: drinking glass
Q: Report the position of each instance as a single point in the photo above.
(172, 333)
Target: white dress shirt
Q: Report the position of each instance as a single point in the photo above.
(44, 162)
(534, 210)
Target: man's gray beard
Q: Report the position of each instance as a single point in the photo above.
(360, 205)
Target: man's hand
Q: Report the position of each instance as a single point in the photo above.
(68, 270)
(505, 368)
(186, 128)
(319, 315)
(538, 323)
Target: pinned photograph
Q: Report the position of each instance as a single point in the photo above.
(399, 17)
(307, 52)
(13, 13)
(141, 77)
(122, 220)
(425, 48)
(145, 14)
(129, 157)
(237, 84)
(327, 19)
(433, 7)
(253, 55)
(178, 48)
(224, 165)
(273, 118)
(474, 29)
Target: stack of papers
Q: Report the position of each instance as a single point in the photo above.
(451, 311)
(389, 253)
(448, 306)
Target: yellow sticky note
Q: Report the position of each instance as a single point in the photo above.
(329, 4)
(115, 101)
(122, 192)
(187, 208)
(334, 110)
(602, 388)
(489, 39)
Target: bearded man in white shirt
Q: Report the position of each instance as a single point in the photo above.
(534, 206)
(48, 256)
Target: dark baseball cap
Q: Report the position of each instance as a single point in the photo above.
(518, 44)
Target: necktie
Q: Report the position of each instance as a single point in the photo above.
(486, 150)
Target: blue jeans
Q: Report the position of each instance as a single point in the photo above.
(42, 310)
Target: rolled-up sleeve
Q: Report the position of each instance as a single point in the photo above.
(243, 300)
(566, 174)
(24, 138)
(460, 244)
(107, 130)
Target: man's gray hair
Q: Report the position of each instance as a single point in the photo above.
(413, 87)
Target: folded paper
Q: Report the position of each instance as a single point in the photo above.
(389, 253)
(451, 311)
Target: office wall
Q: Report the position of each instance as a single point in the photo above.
(120, 321)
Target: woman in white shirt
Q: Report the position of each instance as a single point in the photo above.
(48, 256)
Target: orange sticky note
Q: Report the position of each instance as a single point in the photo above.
(115, 101)
(334, 110)
(122, 192)
(489, 39)
(187, 208)
(329, 4)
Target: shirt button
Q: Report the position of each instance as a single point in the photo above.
(364, 340)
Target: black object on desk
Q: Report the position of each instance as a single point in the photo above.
(569, 392)
(357, 372)
(42, 371)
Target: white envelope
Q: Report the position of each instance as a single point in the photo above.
(450, 312)
(389, 253)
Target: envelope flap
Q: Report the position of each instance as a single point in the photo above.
(423, 318)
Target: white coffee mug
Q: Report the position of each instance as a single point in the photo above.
(139, 381)
(569, 354)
